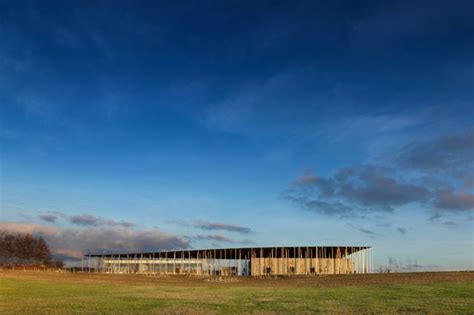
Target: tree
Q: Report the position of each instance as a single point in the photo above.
(25, 245)
(24, 249)
(7, 246)
(42, 253)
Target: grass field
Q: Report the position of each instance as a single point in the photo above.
(40, 292)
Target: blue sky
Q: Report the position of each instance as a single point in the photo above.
(199, 124)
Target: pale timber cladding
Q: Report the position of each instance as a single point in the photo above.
(262, 261)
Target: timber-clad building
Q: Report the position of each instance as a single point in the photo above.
(255, 261)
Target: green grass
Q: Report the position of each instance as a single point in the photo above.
(74, 294)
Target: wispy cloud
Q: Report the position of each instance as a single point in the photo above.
(402, 230)
(221, 239)
(182, 223)
(205, 225)
(434, 217)
(215, 238)
(212, 226)
(366, 231)
(51, 218)
(84, 219)
(450, 223)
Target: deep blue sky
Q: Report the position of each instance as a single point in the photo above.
(227, 124)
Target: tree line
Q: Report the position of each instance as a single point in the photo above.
(18, 249)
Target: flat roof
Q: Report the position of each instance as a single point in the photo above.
(241, 252)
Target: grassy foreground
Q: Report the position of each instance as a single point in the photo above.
(37, 292)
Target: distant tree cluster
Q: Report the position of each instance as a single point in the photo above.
(398, 266)
(24, 250)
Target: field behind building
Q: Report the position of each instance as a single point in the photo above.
(50, 292)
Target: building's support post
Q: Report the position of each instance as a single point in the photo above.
(322, 260)
(198, 264)
(252, 262)
(159, 265)
(166, 263)
(280, 262)
(354, 265)
(363, 260)
(367, 260)
(214, 262)
(240, 269)
(317, 262)
(247, 265)
(206, 266)
(325, 258)
(300, 261)
(306, 261)
(330, 267)
(294, 261)
(372, 259)
(209, 262)
(270, 263)
(275, 265)
(358, 260)
(128, 263)
(345, 259)
(224, 262)
(174, 262)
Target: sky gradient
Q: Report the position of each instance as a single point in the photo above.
(132, 125)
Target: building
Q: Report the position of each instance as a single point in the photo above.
(255, 261)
